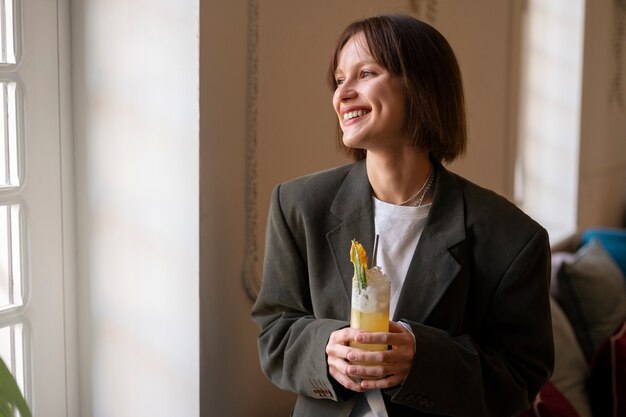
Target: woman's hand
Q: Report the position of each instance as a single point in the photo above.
(338, 350)
(384, 369)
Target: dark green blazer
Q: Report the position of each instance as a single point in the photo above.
(475, 295)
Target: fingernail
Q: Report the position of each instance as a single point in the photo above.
(352, 370)
(352, 356)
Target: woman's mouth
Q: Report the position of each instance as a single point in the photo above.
(354, 114)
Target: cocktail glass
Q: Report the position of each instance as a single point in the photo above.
(370, 306)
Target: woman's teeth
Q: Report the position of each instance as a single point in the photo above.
(353, 114)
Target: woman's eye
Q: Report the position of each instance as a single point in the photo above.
(366, 73)
(339, 81)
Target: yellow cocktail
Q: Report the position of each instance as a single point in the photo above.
(370, 307)
(371, 291)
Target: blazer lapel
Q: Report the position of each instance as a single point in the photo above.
(353, 207)
(433, 268)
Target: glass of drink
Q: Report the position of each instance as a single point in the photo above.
(371, 291)
(370, 306)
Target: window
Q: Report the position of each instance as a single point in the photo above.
(10, 31)
(546, 185)
(14, 350)
(14, 340)
(11, 135)
(13, 289)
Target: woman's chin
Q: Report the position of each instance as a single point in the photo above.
(353, 143)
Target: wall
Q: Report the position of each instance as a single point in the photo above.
(135, 73)
(231, 383)
(602, 170)
(295, 135)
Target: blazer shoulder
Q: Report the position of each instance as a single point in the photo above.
(484, 206)
(313, 190)
(498, 231)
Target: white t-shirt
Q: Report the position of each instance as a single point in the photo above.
(399, 229)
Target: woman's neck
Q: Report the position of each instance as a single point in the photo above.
(395, 177)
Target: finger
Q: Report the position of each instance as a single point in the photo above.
(372, 370)
(387, 338)
(365, 364)
(395, 340)
(405, 333)
(337, 363)
(338, 342)
(342, 336)
(402, 357)
(382, 383)
(384, 338)
(367, 371)
(378, 338)
(337, 350)
(345, 380)
(395, 327)
(352, 368)
(379, 370)
(364, 357)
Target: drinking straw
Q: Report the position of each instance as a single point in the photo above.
(375, 251)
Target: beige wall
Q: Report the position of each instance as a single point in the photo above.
(231, 383)
(296, 131)
(602, 170)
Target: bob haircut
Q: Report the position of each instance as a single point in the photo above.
(430, 79)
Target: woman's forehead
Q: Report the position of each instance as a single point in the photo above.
(355, 49)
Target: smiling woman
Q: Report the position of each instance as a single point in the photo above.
(469, 271)
(368, 99)
(426, 92)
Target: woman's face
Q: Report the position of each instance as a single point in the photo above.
(368, 99)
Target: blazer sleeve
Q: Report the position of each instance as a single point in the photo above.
(498, 371)
(292, 341)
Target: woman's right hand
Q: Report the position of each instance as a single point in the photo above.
(337, 350)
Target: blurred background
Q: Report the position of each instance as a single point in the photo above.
(142, 139)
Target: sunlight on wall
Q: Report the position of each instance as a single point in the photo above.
(547, 171)
(137, 191)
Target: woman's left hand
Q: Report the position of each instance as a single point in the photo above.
(392, 366)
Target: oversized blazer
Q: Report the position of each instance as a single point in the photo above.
(475, 296)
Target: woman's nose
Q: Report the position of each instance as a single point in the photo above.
(346, 90)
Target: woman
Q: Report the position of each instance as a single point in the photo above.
(471, 332)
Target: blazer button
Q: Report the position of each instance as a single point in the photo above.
(425, 402)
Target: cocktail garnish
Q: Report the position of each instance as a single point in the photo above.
(359, 258)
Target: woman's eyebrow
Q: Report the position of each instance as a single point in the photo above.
(368, 61)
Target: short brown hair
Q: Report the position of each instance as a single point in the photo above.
(430, 77)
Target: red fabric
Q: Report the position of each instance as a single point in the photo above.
(550, 403)
(607, 380)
